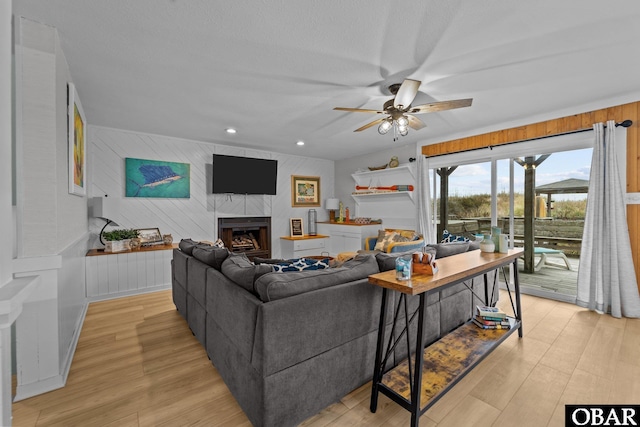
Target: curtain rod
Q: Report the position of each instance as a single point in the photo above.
(625, 124)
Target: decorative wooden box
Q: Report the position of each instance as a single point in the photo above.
(424, 263)
(117, 246)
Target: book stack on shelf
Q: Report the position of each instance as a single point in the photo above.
(491, 318)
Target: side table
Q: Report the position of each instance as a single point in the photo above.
(409, 384)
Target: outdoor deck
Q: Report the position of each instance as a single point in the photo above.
(557, 280)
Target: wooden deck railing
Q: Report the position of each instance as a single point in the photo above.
(569, 245)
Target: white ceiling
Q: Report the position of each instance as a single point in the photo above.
(274, 69)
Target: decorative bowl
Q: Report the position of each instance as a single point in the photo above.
(377, 168)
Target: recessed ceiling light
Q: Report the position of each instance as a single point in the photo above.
(231, 130)
(300, 143)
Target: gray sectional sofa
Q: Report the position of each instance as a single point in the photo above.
(289, 344)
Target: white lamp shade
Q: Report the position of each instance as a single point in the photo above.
(332, 204)
(107, 208)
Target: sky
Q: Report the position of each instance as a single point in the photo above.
(476, 178)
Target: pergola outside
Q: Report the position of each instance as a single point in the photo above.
(567, 186)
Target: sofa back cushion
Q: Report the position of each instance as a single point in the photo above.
(239, 269)
(387, 261)
(187, 245)
(444, 250)
(211, 255)
(271, 287)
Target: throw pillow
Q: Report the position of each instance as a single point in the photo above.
(240, 270)
(301, 265)
(409, 234)
(211, 255)
(401, 238)
(448, 238)
(384, 239)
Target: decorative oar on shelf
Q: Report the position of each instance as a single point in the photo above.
(389, 188)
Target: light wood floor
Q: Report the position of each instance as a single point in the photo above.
(137, 364)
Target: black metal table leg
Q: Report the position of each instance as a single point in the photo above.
(377, 371)
(486, 290)
(417, 374)
(516, 285)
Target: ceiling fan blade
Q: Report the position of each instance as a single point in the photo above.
(368, 125)
(415, 123)
(407, 92)
(440, 106)
(358, 110)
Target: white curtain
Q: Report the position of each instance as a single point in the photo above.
(423, 199)
(606, 276)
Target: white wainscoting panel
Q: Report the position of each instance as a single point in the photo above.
(127, 273)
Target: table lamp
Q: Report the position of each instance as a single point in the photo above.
(331, 205)
(107, 208)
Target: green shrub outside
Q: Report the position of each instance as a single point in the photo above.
(479, 206)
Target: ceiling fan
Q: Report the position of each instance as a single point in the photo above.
(399, 112)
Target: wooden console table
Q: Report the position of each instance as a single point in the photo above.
(459, 351)
(96, 252)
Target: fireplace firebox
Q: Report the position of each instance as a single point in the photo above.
(248, 235)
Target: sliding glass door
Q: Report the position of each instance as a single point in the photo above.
(534, 191)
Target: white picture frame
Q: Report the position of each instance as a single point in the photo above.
(77, 144)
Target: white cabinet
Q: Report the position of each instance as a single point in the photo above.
(385, 204)
(347, 237)
(296, 247)
(128, 273)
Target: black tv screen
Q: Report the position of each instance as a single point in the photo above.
(244, 175)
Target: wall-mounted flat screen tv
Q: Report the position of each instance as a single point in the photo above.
(244, 175)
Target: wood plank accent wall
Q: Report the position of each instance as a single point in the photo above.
(562, 125)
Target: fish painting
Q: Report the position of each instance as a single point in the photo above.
(152, 178)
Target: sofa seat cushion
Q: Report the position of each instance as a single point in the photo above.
(240, 270)
(211, 255)
(274, 286)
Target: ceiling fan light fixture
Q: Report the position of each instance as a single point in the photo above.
(384, 127)
(403, 121)
(402, 130)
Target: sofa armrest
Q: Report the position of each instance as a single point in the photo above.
(413, 245)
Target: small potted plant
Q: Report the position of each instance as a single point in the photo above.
(118, 240)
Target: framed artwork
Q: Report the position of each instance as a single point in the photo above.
(297, 229)
(77, 144)
(152, 178)
(149, 235)
(305, 191)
